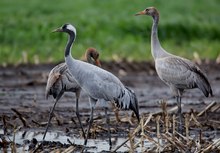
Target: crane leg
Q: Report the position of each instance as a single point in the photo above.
(90, 124)
(78, 116)
(107, 122)
(179, 112)
(50, 117)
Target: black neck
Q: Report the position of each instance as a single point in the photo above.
(71, 39)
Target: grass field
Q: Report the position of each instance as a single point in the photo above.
(108, 25)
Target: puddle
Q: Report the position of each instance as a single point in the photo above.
(94, 145)
(23, 139)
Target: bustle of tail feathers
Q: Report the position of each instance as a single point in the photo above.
(203, 83)
(127, 100)
(54, 75)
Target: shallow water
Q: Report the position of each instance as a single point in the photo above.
(93, 145)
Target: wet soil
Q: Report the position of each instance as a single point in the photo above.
(23, 106)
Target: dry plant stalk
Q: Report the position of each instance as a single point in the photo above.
(56, 150)
(179, 141)
(148, 119)
(207, 108)
(165, 115)
(215, 144)
(168, 139)
(4, 124)
(151, 139)
(167, 123)
(187, 126)
(174, 124)
(23, 120)
(13, 145)
(122, 144)
(24, 57)
(131, 142)
(158, 132)
(59, 119)
(182, 137)
(145, 124)
(116, 111)
(214, 121)
(40, 124)
(142, 135)
(215, 108)
(192, 117)
(164, 109)
(158, 125)
(133, 134)
(174, 142)
(69, 149)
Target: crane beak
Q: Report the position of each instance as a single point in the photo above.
(140, 13)
(58, 30)
(97, 62)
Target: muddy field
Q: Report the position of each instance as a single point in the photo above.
(24, 113)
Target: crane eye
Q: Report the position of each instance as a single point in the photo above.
(95, 55)
(64, 26)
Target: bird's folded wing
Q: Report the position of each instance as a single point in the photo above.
(177, 71)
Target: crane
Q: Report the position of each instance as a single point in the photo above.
(98, 83)
(177, 72)
(60, 80)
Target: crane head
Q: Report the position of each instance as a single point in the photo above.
(93, 53)
(151, 11)
(66, 28)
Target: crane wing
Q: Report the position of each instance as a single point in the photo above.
(54, 76)
(178, 72)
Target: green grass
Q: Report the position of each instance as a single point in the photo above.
(110, 26)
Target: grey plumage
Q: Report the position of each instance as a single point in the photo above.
(60, 80)
(98, 83)
(101, 84)
(181, 74)
(177, 72)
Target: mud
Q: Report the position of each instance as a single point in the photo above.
(24, 109)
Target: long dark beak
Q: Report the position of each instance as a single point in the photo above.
(58, 30)
(140, 13)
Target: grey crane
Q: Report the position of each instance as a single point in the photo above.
(98, 83)
(177, 72)
(60, 80)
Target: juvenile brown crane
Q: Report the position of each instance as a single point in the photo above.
(60, 80)
(177, 72)
(98, 83)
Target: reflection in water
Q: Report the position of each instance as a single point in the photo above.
(23, 138)
(94, 145)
